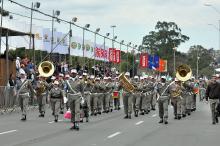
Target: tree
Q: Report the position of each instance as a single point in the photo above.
(167, 35)
(205, 59)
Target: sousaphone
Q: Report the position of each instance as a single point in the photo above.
(46, 69)
(183, 72)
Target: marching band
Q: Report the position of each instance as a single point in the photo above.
(86, 95)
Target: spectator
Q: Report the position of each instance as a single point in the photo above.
(213, 94)
(18, 65)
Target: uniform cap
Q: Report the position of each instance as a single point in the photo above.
(136, 77)
(163, 77)
(92, 77)
(97, 78)
(127, 74)
(61, 75)
(56, 82)
(53, 78)
(105, 78)
(73, 71)
(84, 74)
(176, 80)
(67, 76)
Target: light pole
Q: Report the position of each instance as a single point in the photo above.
(121, 43)
(113, 33)
(95, 34)
(197, 63)
(1, 25)
(55, 15)
(34, 6)
(209, 5)
(74, 19)
(107, 35)
(134, 48)
(83, 45)
(128, 45)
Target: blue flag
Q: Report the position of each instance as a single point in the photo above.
(150, 62)
(156, 61)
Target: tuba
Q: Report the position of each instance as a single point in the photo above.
(183, 72)
(125, 83)
(46, 69)
(41, 88)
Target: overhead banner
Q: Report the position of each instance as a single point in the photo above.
(144, 60)
(76, 46)
(117, 56)
(46, 40)
(112, 55)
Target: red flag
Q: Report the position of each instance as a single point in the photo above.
(112, 55)
(143, 60)
(117, 56)
(162, 65)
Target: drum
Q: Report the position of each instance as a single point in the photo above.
(115, 94)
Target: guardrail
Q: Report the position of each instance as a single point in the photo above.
(9, 102)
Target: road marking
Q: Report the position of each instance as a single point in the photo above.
(113, 135)
(154, 115)
(8, 132)
(54, 122)
(140, 122)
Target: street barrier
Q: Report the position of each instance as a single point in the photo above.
(9, 101)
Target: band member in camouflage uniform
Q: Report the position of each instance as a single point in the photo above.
(188, 87)
(163, 100)
(24, 87)
(54, 97)
(74, 96)
(62, 85)
(127, 99)
(136, 95)
(176, 98)
(41, 92)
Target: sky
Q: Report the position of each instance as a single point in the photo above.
(133, 18)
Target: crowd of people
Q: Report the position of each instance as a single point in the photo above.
(91, 94)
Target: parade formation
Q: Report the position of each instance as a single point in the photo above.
(86, 95)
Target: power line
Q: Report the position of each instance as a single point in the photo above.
(64, 21)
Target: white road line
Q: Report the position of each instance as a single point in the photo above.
(113, 135)
(140, 122)
(54, 122)
(154, 115)
(7, 132)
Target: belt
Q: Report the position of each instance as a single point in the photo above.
(24, 94)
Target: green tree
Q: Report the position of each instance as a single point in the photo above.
(167, 35)
(205, 59)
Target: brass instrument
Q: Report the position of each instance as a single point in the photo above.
(183, 72)
(176, 92)
(41, 88)
(125, 83)
(46, 69)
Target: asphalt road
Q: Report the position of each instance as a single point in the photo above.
(111, 130)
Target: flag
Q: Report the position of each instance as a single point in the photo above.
(150, 62)
(156, 61)
(161, 67)
(112, 55)
(143, 60)
(117, 56)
